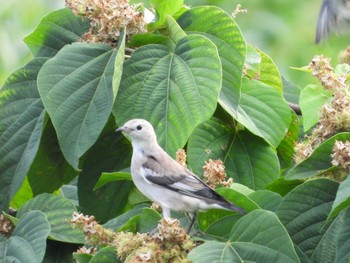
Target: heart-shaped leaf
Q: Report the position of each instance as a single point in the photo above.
(219, 27)
(21, 121)
(77, 91)
(175, 89)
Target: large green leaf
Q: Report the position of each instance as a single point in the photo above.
(269, 73)
(247, 158)
(49, 170)
(319, 161)
(342, 199)
(105, 255)
(17, 249)
(34, 227)
(58, 211)
(78, 89)
(256, 237)
(264, 111)
(219, 27)
(253, 240)
(59, 252)
(55, 30)
(175, 89)
(28, 241)
(214, 252)
(312, 97)
(111, 152)
(21, 121)
(304, 212)
(343, 241)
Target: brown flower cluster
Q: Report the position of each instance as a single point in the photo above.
(170, 244)
(108, 18)
(341, 155)
(334, 115)
(215, 174)
(95, 234)
(181, 157)
(5, 226)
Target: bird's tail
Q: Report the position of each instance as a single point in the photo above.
(229, 206)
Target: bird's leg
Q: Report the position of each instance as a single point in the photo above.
(192, 218)
(166, 215)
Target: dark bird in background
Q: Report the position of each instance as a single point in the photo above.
(334, 17)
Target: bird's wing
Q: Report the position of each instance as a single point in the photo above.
(176, 178)
(326, 20)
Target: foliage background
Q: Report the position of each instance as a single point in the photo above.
(283, 29)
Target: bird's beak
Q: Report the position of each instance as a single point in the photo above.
(120, 129)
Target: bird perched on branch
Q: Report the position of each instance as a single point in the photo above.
(163, 180)
(334, 16)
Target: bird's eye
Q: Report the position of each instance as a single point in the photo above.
(139, 127)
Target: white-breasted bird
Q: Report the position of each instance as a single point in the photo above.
(163, 180)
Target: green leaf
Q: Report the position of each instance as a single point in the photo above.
(250, 241)
(253, 240)
(23, 195)
(106, 178)
(343, 240)
(119, 221)
(248, 159)
(105, 255)
(214, 252)
(21, 121)
(111, 152)
(207, 220)
(283, 186)
(326, 249)
(148, 220)
(55, 30)
(76, 89)
(174, 89)
(219, 27)
(304, 211)
(34, 227)
(319, 161)
(342, 199)
(49, 170)
(312, 98)
(58, 211)
(175, 31)
(269, 73)
(265, 199)
(18, 250)
(163, 9)
(286, 147)
(28, 240)
(263, 111)
(252, 62)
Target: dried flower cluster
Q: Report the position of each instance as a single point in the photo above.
(341, 155)
(170, 244)
(335, 115)
(5, 226)
(108, 18)
(215, 174)
(181, 157)
(95, 234)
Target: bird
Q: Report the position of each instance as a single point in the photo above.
(163, 180)
(334, 16)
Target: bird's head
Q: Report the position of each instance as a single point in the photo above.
(139, 130)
